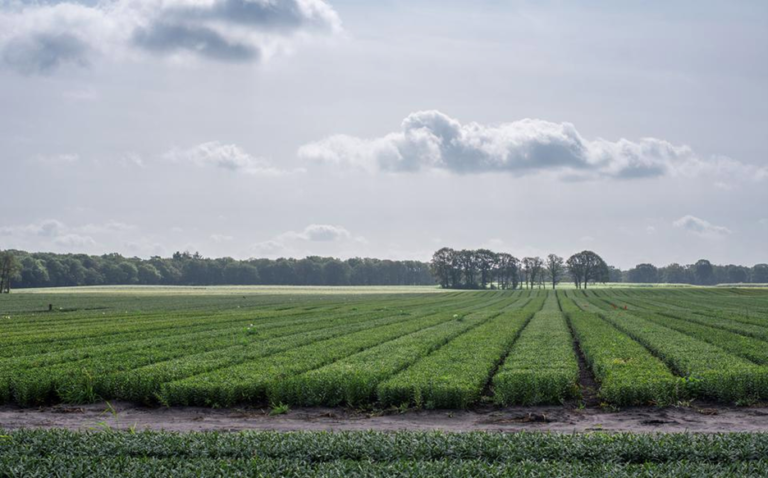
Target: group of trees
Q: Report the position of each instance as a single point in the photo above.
(481, 268)
(56, 270)
(702, 272)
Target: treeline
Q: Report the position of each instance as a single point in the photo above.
(23, 270)
(483, 268)
(702, 272)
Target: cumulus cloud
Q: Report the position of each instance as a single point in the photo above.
(38, 37)
(224, 156)
(47, 228)
(300, 243)
(701, 227)
(74, 241)
(431, 140)
(55, 233)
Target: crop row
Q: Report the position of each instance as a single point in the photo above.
(254, 380)
(748, 347)
(710, 371)
(455, 375)
(676, 312)
(113, 329)
(87, 379)
(541, 366)
(386, 447)
(353, 381)
(143, 384)
(627, 372)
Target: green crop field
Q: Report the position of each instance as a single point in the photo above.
(43, 453)
(383, 347)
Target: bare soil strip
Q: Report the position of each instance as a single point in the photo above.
(696, 418)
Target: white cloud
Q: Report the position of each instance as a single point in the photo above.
(39, 37)
(224, 156)
(74, 241)
(220, 238)
(47, 228)
(431, 140)
(307, 241)
(53, 232)
(107, 227)
(650, 230)
(701, 227)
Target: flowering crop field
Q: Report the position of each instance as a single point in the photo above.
(384, 347)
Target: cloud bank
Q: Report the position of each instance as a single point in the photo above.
(431, 140)
(37, 37)
(701, 227)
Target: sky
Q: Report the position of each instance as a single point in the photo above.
(266, 128)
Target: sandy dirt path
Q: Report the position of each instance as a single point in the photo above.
(707, 419)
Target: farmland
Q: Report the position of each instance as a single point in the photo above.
(33, 453)
(381, 348)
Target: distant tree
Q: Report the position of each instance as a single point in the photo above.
(130, 274)
(148, 274)
(240, 273)
(737, 274)
(9, 270)
(486, 263)
(703, 272)
(508, 271)
(674, 274)
(555, 268)
(336, 272)
(442, 267)
(615, 274)
(644, 274)
(759, 274)
(535, 266)
(586, 266)
(33, 272)
(468, 266)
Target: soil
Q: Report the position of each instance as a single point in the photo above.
(698, 417)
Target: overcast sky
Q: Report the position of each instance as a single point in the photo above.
(266, 128)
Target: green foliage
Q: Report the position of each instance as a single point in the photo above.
(627, 372)
(541, 366)
(381, 349)
(109, 453)
(454, 376)
(714, 373)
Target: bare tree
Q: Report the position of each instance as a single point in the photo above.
(555, 268)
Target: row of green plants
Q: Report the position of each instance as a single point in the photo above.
(694, 314)
(353, 381)
(750, 348)
(120, 326)
(710, 372)
(541, 367)
(456, 374)
(627, 372)
(387, 447)
(252, 381)
(203, 467)
(94, 377)
(143, 384)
